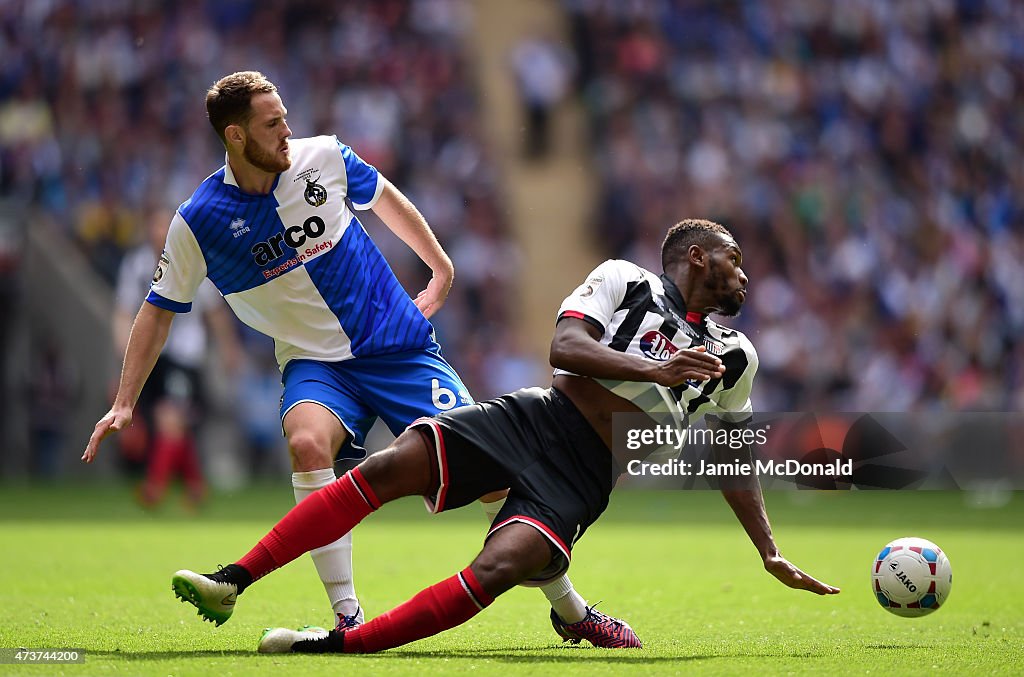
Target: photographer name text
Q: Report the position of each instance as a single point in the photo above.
(702, 468)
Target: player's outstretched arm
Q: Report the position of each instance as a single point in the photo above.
(748, 505)
(149, 333)
(743, 494)
(405, 221)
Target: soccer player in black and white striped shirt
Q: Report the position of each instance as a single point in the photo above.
(633, 313)
(626, 341)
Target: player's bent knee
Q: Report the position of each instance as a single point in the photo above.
(310, 451)
(498, 576)
(511, 555)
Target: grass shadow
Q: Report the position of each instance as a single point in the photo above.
(524, 655)
(169, 655)
(899, 647)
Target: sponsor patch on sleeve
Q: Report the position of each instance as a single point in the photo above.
(161, 267)
(591, 285)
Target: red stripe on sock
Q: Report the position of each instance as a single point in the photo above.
(474, 587)
(365, 487)
(440, 607)
(321, 518)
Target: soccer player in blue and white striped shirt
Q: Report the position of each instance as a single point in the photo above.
(274, 231)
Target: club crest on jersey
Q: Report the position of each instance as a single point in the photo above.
(656, 346)
(714, 347)
(315, 194)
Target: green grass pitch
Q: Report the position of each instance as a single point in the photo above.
(83, 567)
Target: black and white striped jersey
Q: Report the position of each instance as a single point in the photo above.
(643, 314)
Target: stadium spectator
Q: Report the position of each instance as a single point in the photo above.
(543, 71)
(52, 388)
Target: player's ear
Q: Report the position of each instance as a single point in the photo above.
(696, 255)
(235, 135)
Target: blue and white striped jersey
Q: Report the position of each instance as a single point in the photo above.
(294, 264)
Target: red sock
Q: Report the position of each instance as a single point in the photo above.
(441, 606)
(188, 464)
(321, 518)
(161, 465)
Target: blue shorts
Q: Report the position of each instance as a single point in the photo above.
(399, 388)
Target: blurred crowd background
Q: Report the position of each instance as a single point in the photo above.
(866, 154)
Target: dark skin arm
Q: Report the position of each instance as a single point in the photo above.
(743, 494)
(576, 347)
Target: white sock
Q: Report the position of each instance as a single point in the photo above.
(566, 602)
(491, 510)
(334, 560)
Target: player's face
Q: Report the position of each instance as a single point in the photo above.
(267, 132)
(725, 280)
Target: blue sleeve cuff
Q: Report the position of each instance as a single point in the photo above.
(363, 206)
(167, 304)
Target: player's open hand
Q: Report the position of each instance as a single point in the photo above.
(782, 569)
(688, 364)
(116, 419)
(430, 300)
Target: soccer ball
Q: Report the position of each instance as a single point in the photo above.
(911, 577)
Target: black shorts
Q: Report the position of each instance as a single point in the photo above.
(538, 445)
(171, 380)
